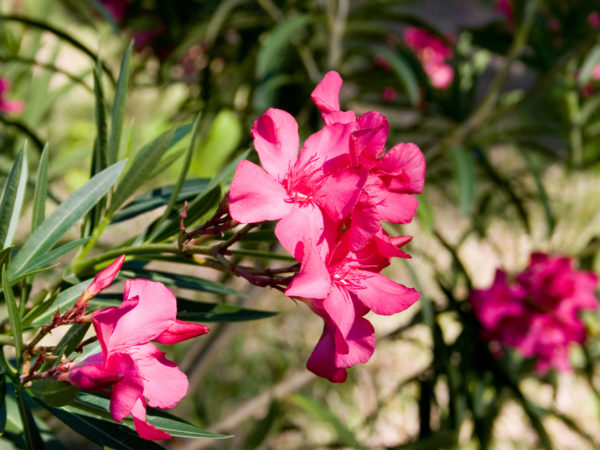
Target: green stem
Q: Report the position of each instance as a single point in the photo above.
(93, 238)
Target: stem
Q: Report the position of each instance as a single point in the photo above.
(337, 23)
(93, 238)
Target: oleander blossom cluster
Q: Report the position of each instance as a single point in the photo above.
(132, 367)
(6, 105)
(330, 200)
(538, 313)
(433, 53)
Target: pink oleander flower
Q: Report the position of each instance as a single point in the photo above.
(308, 193)
(8, 106)
(506, 9)
(593, 19)
(389, 94)
(538, 314)
(117, 8)
(129, 364)
(433, 53)
(342, 289)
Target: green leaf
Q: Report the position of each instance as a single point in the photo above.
(71, 340)
(321, 411)
(159, 197)
(101, 157)
(403, 72)
(53, 392)
(64, 217)
(103, 432)
(591, 60)
(193, 311)
(272, 52)
(65, 299)
(89, 404)
(33, 439)
(181, 281)
(464, 173)
(2, 402)
(177, 188)
(137, 173)
(46, 258)
(13, 314)
(118, 109)
(11, 199)
(41, 191)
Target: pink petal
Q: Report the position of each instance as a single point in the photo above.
(149, 318)
(276, 140)
(304, 223)
(106, 320)
(369, 141)
(255, 196)
(126, 391)
(164, 384)
(340, 308)
(364, 225)
(102, 280)
(383, 295)
(181, 331)
(313, 280)
(322, 360)
(395, 207)
(339, 192)
(339, 117)
(91, 375)
(326, 96)
(12, 106)
(143, 428)
(404, 167)
(327, 149)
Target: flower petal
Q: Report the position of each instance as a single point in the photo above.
(143, 428)
(102, 280)
(403, 168)
(91, 375)
(340, 192)
(383, 295)
(326, 96)
(255, 196)
(313, 280)
(164, 384)
(126, 391)
(181, 331)
(304, 223)
(276, 140)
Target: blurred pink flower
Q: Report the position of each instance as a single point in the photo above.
(538, 314)
(593, 19)
(389, 94)
(129, 364)
(433, 54)
(8, 106)
(506, 8)
(117, 8)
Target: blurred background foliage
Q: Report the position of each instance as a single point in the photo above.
(512, 166)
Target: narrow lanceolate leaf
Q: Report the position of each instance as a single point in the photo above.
(13, 314)
(272, 52)
(193, 311)
(46, 258)
(11, 199)
(2, 402)
(118, 109)
(102, 431)
(464, 173)
(41, 191)
(403, 72)
(101, 132)
(64, 217)
(90, 404)
(137, 173)
(33, 439)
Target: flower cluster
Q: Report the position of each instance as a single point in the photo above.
(330, 200)
(129, 364)
(8, 106)
(433, 54)
(538, 314)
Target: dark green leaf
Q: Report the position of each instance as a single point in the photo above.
(137, 172)
(46, 258)
(53, 392)
(88, 403)
(41, 191)
(11, 199)
(2, 402)
(71, 340)
(13, 314)
(33, 439)
(64, 217)
(118, 109)
(181, 281)
(101, 129)
(194, 311)
(272, 52)
(464, 173)
(158, 197)
(103, 432)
